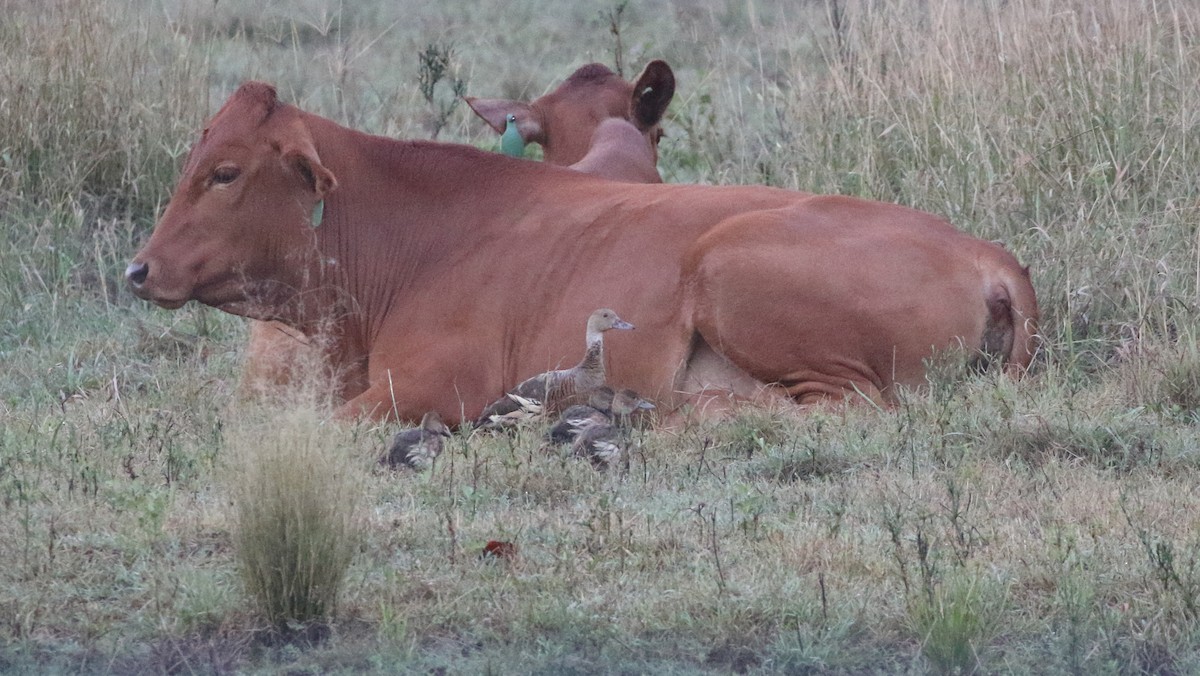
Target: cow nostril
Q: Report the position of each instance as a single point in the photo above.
(136, 273)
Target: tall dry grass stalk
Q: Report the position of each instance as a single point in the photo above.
(96, 106)
(1066, 130)
(295, 489)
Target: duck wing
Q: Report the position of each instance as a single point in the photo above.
(422, 454)
(519, 398)
(601, 444)
(397, 453)
(573, 420)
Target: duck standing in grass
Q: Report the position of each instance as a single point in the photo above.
(554, 391)
(598, 410)
(417, 447)
(606, 443)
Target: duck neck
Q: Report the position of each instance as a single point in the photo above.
(593, 359)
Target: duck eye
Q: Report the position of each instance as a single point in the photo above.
(225, 174)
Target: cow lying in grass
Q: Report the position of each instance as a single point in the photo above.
(445, 275)
(595, 122)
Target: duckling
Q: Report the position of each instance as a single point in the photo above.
(417, 447)
(597, 410)
(605, 443)
(628, 406)
(557, 390)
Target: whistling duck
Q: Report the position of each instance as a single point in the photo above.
(605, 443)
(598, 410)
(554, 391)
(417, 447)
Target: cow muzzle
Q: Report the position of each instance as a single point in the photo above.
(137, 275)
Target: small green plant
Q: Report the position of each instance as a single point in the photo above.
(436, 65)
(1118, 443)
(751, 432)
(295, 532)
(1176, 569)
(956, 625)
(965, 538)
(811, 456)
(1179, 388)
(615, 17)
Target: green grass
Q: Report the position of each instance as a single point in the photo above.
(982, 526)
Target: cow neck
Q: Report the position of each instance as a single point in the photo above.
(400, 208)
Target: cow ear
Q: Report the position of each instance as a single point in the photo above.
(652, 93)
(307, 165)
(496, 111)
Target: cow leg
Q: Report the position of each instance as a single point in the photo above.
(410, 376)
(833, 310)
(279, 356)
(375, 403)
(776, 349)
(276, 355)
(710, 383)
(387, 402)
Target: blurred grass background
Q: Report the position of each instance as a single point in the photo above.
(1048, 525)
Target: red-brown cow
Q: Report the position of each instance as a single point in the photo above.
(449, 274)
(564, 120)
(593, 109)
(620, 152)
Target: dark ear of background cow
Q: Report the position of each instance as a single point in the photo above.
(652, 93)
(304, 162)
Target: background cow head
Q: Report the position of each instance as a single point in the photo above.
(238, 232)
(564, 120)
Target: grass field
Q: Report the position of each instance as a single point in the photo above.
(1050, 525)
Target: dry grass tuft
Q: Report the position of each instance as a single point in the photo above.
(296, 489)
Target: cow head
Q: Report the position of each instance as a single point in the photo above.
(238, 232)
(564, 120)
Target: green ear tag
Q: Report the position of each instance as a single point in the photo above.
(318, 214)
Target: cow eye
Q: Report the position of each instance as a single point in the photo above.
(225, 174)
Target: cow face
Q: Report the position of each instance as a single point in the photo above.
(564, 120)
(238, 232)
